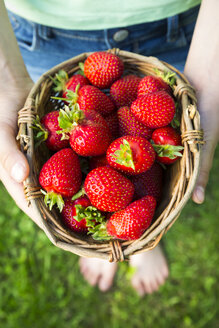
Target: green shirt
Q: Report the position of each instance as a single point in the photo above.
(97, 14)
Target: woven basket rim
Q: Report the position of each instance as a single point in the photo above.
(192, 136)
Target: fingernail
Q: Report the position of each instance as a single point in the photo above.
(18, 172)
(200, 194)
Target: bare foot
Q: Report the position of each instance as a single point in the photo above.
(151, 271)
(98, 272)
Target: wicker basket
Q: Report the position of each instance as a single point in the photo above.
(180, 177)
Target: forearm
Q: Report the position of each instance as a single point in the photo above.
(202, 65)
(12, 67)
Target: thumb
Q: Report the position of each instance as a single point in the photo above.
(207, 156)
(14, 162)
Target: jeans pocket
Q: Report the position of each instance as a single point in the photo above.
(25, 32)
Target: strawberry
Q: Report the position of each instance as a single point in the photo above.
(63, 82)
(102, 69)
(89, 98)
(167, 144)
(89, 133)
(60, 176)
(129, 125)
(124, 91)
(130, 154)
(151, 84)
(47, 129)
(155, 110)
(113, 124)
(129, 223)
(78, 215)
(149, 182)
(71, 214)
(108, 190)
(97, 161)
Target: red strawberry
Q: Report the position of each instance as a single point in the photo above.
(151, 84)
(72, 214)
(90, 98)
(60, 176)
(103, 68)
(63, 82)
(47, 129)
(74, 81)
(108, 190)
(129, 125)
(89, 133)
(155, 109)
(149, 182)
(97, 161)
(167, 144)
(130, 154)
(124, 91)
(113, 124)
(130, 223)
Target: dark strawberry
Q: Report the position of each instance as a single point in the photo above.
(90, 98)
(103, 68)
(108, 190)
(130, 154)
(124, 91)
(78, 215)
(60, 176)
(47, 129)
(130, 223)
(149, 183)
(167, 144)
(129, 125)
(71, 214)
(89, 133)
(63, 82)
(155, 110)
(113, 124)
(97, 161)
(151, 84)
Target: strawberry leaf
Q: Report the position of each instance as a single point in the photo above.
(123, 156)
(167, 76)
(40, 133)
(68, 118)
(51, 198)
(169, 151)
(60, 80)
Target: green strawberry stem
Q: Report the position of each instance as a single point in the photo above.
(60, 80)
(92, 216)
(175, 123)
(81, 66)
(68, 119)
(40, 133)
(124, 156)
(80, 193)
(99, 232)
(51, 198)
(71, 96)
(169, 151)
(167, 76)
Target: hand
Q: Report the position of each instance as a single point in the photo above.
(14, 167)
(209, 111)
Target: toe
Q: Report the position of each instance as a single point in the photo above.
(92, 279)
(104, 283)
(138, 286)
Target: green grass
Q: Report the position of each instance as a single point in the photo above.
(41, 286)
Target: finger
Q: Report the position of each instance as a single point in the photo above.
(13, 161)
(207, 155)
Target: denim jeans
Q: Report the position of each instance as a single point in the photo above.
(42, 47)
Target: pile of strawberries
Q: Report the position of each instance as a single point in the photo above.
(107, 144)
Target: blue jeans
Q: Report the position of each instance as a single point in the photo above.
(42, 47)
